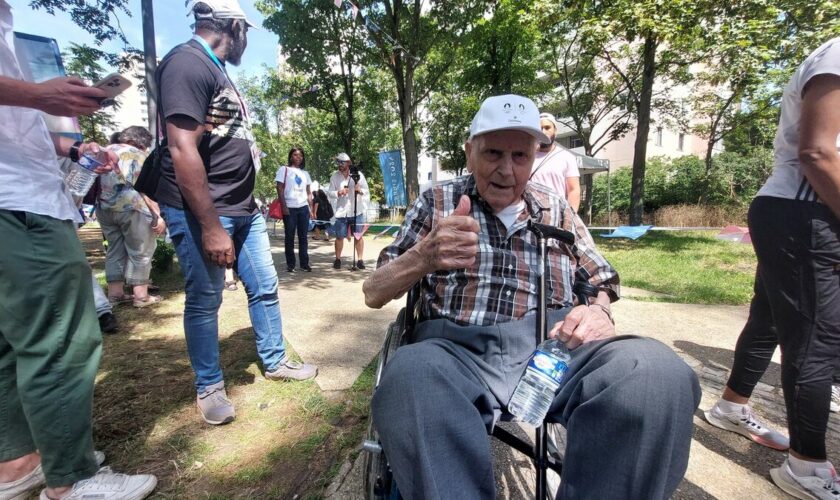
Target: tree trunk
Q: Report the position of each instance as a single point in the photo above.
(405, 91)
(637, 190)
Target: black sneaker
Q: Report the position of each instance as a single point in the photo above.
(337, 264)
(360, 264)
(290, 269)
(108, 323)
(306, 268)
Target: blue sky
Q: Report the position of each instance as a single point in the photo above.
(172, 26)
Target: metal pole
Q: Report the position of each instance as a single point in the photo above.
(150, 59)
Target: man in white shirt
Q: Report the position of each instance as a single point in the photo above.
(795, 229)
(556, 167)
(349, 199)
(49, 333)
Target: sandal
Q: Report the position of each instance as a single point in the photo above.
(120, 299)
(231, 286)
(147, 301)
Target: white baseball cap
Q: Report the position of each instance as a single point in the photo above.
(222, 9)
(342, 157)
(549, 117)
(508, 112)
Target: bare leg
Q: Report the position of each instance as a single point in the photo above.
(13, 470)
(116, 289)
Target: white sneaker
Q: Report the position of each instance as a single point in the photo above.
(18, 490)
(822, 486)
(747, 424)
(106, 485)
(835, 399)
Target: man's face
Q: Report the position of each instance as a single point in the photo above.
(501, 164)
(343, 166)
(548, 129)
(239, 41)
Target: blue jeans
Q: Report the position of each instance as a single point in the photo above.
(297, 222)
(204, 284)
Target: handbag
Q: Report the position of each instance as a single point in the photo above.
(275, 209)
(149, 178)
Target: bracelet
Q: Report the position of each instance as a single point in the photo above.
(74, 151)
(606, 311)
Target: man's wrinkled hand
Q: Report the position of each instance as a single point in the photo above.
(583, 324)
(218, 247)
(453, 243)
(68, 96)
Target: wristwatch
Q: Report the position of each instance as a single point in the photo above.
(74, 151)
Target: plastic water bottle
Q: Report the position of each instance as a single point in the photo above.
(80, 179)
(539, 383)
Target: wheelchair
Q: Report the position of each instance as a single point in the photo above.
(545, 453)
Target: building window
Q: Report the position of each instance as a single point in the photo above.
(659, 136)
(430, 176)
(575, 142)
(681, 142)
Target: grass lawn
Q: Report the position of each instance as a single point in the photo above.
(691, 266)
(289, 439)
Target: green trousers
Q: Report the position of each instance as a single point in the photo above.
(49, 346)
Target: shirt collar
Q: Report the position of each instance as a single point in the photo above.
(533, 206)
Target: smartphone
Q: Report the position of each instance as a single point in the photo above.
(113, 85)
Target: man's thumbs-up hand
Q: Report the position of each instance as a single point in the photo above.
(453, 242)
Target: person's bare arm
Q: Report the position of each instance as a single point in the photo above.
(65, 96)
(184, 135)
(819, 126)
(573, 192)
(63, 144)
(451, 244)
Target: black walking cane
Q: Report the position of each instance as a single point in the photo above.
(582, 290)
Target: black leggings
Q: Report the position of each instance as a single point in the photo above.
(797, 306)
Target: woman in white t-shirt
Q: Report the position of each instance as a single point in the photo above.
(293, 190)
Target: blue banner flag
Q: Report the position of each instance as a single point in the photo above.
(392, 175)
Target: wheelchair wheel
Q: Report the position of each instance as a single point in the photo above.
(379, 481)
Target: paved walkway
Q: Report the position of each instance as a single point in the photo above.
(326, 321)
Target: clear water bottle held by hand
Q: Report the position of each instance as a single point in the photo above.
(80, 179)
(539, 383)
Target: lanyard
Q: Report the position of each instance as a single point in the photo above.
(210, 53)
(221, 66)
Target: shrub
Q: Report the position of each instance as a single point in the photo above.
(162, 258)
(731, 183)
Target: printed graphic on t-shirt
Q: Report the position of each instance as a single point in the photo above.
(224, 116)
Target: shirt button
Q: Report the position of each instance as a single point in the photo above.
(507, 293)
(510, 266)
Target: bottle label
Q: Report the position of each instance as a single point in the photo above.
(89, 162)
(549, 366)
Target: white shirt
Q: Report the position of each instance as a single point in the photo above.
(30, 177)
(551, 169)
(343, 205)
(295, 181)
(787, 180)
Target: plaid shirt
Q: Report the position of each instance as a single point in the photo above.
(502, 284)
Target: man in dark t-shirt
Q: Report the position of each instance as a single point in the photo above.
(206, 198)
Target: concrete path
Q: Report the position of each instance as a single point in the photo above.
(327, 323)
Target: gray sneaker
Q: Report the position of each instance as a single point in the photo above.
(19, 490)
(292, 370)
(215, 407)
(107, 485)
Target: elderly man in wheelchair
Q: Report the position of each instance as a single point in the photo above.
(627, 402)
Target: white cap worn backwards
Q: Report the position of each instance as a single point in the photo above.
(508, 112)
(222, 9)
(342, 157)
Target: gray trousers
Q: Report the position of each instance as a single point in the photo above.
(131, 245)
(627, 404)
